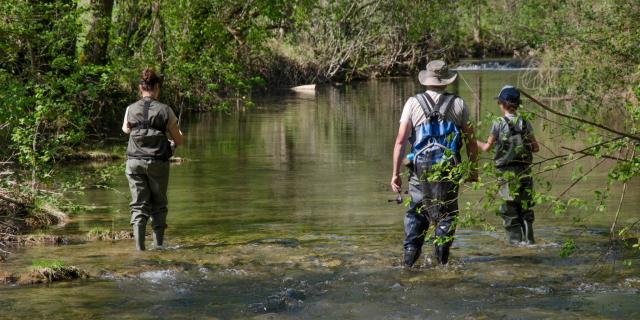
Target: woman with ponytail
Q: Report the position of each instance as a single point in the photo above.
(153, 135)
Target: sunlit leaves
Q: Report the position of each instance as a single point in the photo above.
(568, 248)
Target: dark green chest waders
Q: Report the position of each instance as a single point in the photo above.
(514, 155)
(147, 170)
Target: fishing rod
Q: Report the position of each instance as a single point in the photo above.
(476, 96)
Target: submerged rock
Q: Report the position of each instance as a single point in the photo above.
(633, 282)
(290, 243)
(285, 300)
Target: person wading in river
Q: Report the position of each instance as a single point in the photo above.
(515, 144)
(435, 122)
(147, 122)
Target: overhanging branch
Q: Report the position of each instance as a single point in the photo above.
(591, 123)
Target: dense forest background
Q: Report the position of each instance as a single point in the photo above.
(68, 68)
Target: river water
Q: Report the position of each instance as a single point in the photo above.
(281, 212)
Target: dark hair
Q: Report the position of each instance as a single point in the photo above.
(509, 105)
(149, 79)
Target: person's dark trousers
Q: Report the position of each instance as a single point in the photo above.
(148, 182)
(517, 214)
(431, 203)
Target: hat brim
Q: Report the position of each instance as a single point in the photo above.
(428, 80)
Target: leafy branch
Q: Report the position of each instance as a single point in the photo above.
(591, 123)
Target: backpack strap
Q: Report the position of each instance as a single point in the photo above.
(423, 100)
(512, 127)
(445, 104)
(429, 107)
(432, 104)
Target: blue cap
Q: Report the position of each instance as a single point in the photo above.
(510, 95)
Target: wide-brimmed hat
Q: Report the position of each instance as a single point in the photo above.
(437, 74)
(509, 95)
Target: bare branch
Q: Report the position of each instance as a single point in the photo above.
(581, 151)
(624, 189)
(10, 200)
(574, 183)
(597, 125)
(593, 154)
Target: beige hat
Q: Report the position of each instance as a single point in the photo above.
(437, 74)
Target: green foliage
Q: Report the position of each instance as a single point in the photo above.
(49, 102)
(215, 52)
(47, 264)
(592, 57)
(97, 232)
(568, 248)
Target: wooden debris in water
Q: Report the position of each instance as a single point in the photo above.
(96, 156)
(177, 160)
(308, 88)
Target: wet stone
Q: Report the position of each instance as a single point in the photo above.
(539, 290)
(234, 272)
(295, 294)
(632, 282)
(287, 299)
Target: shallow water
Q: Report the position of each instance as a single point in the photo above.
(281, 212)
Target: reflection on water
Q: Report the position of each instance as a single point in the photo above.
(282, 211)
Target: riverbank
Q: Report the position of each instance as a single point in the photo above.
(20, 214)
(26, 216)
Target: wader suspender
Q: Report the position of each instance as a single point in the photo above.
(145, 114)
(512, 128)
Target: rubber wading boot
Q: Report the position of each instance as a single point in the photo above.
(442, 254)
(138, 234)
(527, 227)
(411, 255)
(514, 234)
(158, 237)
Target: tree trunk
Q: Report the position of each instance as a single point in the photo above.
(157, 33)
(477, 33)
(93, 43)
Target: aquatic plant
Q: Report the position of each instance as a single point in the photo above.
(47, 264)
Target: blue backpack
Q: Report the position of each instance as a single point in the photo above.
(437, 141)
